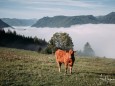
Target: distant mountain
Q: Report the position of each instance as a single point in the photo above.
(67, 21)
(64, 21)
(19, 22)
(107, 19)
(3, 24)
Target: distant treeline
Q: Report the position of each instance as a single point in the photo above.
(13, 40)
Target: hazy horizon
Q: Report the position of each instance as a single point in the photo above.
(39, 8)
(100, 36)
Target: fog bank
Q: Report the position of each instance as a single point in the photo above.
(100, 36)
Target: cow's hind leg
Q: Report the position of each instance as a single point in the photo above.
(66, 67)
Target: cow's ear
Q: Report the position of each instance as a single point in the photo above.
(70, 51)
(74, 51)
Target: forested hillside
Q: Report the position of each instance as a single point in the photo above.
(13, 40)
(3, 24)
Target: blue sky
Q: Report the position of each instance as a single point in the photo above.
(40, 8)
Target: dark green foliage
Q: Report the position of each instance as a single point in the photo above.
(47, 50)
(60, 41)
(11, 39)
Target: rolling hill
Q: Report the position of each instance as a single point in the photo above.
(28, 68)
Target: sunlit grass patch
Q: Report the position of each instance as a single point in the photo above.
(28, 68)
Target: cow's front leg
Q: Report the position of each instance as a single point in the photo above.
(59, 66)
(70, 69)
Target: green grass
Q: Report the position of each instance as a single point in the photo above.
(28, 68)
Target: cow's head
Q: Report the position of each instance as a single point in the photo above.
(71, 53)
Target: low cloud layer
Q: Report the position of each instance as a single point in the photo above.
(100, 36)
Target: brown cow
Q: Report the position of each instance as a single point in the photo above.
(65, 57)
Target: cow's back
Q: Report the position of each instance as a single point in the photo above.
(59, 54)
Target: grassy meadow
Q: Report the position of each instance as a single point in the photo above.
(29, 68)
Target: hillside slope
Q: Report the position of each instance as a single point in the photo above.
(108, 19)
(28, 68)
(19, 22)
(13, 40)
(3, 24)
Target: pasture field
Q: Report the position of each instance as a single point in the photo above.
(29, 68)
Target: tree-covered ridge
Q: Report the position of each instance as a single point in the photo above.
(19, 22)
(3, 24)
(67, 21)
(12, 40)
